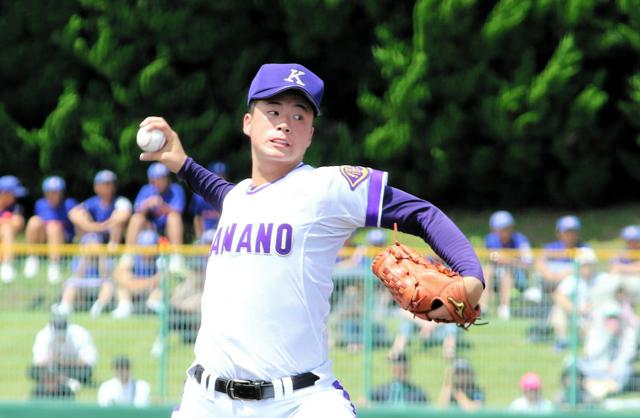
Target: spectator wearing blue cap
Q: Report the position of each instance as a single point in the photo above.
(50, 224)
(555, 262)
(509, 259)
(104, 214)
(11, 222)
(205, 215)
(138, 276)
(626, 264)
(159, 205)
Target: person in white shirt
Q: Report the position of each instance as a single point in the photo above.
(123, 389)
(563, 297)
(67, 347)
(531, 399)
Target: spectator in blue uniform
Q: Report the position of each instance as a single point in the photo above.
(104, 214)
(50, 224)
(11, 222)
(506, 269)
(556, 261)
(159, 205)
(138, 276)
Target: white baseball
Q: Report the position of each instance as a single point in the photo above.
(150, 141)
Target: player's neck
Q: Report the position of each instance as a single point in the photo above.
(262, 173)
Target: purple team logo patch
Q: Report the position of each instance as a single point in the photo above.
(354, 175)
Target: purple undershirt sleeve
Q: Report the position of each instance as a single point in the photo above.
(418, 217)
(211, 187)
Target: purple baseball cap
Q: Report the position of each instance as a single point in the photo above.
(157, 170)
(105, 176)
(12, 185)
(53, 184)
(273, 79)
(631, 233)
(568, 223)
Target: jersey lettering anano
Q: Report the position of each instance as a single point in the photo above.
(269, 277)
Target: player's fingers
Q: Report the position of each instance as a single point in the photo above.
(152, 119)
(440, 313)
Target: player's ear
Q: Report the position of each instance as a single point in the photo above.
(246, 124)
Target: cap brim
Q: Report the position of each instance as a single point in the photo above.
(265, 94)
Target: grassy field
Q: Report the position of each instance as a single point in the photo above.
(499, 351)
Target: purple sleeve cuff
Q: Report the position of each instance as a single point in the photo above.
(418, 217)
(202, 181)
(374, 197)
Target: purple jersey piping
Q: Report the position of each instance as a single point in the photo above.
(264, 186)
(374, 200)
(336, 384)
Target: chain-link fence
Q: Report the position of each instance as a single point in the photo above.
(571, 342)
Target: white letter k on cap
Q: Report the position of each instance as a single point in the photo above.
(295, 74)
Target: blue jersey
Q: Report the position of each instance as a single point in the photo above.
(518, 240)
(144, 266)
(173, 196)
(59, 213)
(559, 246)
(98, 210)
(210, 216)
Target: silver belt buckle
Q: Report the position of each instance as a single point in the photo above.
(230, 387)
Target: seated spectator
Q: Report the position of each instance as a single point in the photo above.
(610, 349)
(159, 205)
(51, 384)
(399, 390)
(11, 223)
(531, 399)
(50, 224)
(556, 262)
(205, 216)
(459, 387)
(430, 333)
(90, 279)
(138, 276)
(65, 348)
(565, 396)
(563, 297)
(348, 314)
(104, 214)
(626, 265)
(123, 389)
(506, 269)
(186, 299)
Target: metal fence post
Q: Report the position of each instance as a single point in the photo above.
(367, 326)
(164, 321)
(575, 336)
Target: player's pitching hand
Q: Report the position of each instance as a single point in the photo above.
(171, 154)
(474, 289)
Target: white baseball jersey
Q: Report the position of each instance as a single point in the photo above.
(266, 297)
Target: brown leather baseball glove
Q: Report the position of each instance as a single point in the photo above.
(421, 286)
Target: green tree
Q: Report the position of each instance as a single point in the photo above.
(510, 102)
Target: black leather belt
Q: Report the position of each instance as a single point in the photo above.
(252, 389)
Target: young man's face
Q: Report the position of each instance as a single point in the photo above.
(505, 234)
(105, 190)
(54, 197)
(6, 199)
(160, 183)
(570, 237)
(280, 128)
